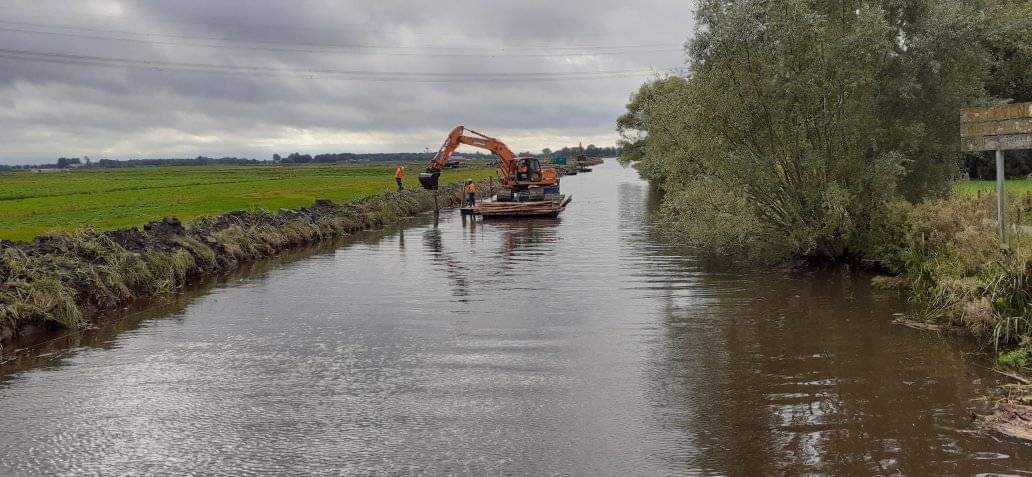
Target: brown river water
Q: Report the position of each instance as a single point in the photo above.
(582, 346)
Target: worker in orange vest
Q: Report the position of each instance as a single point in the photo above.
(399, 174)
(471, 192)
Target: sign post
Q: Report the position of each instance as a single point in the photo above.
(997, 128)
(1001, 198)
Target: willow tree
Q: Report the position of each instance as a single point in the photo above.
(801, 121)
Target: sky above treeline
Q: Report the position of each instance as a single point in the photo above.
(248, 78)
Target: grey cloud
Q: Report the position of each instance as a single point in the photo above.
(49, 110)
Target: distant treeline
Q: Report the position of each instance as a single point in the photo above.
(75, 162)
(197, 161)
(298, 158)
(591, 150)
(60, 164)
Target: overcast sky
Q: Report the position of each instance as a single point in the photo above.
(157, 78)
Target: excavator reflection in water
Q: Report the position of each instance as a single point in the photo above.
(519, 242)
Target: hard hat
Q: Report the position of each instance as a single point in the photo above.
(469, 180)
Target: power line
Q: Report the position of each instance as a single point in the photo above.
(500, 53)
(224, 42)
(269, 69)
(266, 27)
(248, 70)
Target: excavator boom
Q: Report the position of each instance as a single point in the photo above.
(507, 161)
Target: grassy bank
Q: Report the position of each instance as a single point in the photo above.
(64, 279)
(972, 188)
(947, 256)
(32, 204)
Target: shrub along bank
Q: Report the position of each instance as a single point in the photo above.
(62, 281)
(948, 258)
(817, 131)
(946, 254)
(828, 130)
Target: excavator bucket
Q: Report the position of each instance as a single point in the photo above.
(429, 180)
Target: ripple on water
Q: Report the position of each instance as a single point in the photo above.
(583, 346)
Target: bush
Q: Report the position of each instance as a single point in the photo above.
(948, 254)
(820, 116)
(710, 217)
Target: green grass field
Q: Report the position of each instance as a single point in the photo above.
(1013, 186)
(36, 203)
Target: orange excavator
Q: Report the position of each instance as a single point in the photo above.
(524, 178)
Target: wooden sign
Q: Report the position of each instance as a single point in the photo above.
(996, 128)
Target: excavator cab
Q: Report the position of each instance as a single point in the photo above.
(528, 169)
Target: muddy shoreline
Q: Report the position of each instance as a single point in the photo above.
(67, 281)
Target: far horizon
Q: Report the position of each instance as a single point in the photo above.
(273, 158)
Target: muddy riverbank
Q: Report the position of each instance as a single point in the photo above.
(65, 281)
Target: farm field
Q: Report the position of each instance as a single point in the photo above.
(1014, 186)
(32, 204)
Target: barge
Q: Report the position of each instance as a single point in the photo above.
(494, 208)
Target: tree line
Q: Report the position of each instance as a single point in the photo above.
(591, 150)
(802, 123)
(86, 162)
(298, 158)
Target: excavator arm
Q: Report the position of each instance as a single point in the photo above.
(458, 136)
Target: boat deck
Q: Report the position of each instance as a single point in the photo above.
(542, 208)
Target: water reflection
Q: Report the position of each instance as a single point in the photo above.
(580, 346)
(55, 348)
(526, 240)
(457, 272)
(799, 373)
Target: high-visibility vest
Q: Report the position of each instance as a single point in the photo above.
(399, 172)
(471, 188)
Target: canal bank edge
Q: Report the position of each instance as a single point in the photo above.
(67, 280)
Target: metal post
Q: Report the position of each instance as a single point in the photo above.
(1001, 199)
